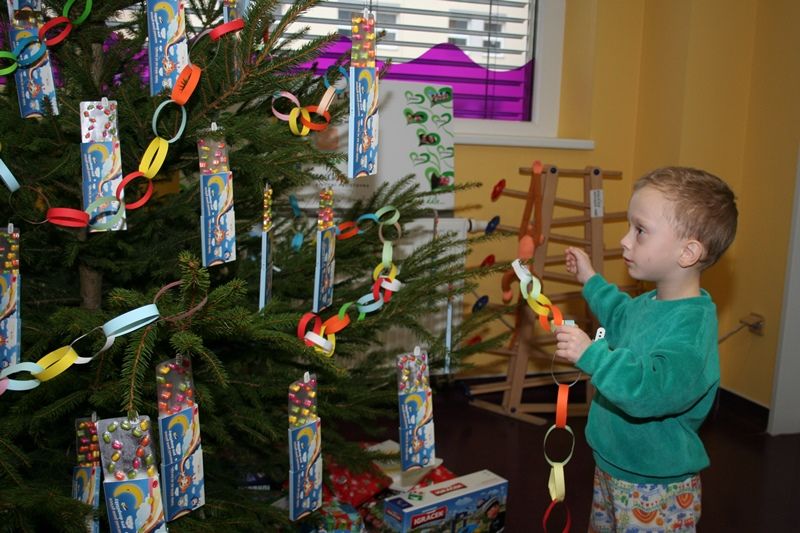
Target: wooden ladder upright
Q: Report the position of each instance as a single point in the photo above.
(526, 342)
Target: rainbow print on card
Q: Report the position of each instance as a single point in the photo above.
(35, 85)
(217, 219)
(10, 283)
(168, 51)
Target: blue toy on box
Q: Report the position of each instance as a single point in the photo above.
(475, 503)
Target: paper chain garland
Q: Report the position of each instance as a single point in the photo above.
(303, 113)
(42, 39)
(156, 152)
(322, 335)
(59, 360)
(543, 307)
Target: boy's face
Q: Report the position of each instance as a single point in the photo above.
(650, 248)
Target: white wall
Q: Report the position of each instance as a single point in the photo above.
(784, 417)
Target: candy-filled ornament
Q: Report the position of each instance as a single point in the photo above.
(131, 484)
(415, 402)
(101, 165)
(305, 447)
(86, 476)
(183, 480)
(265, 285)
(362, 154)
(326, 249)
(217, 218)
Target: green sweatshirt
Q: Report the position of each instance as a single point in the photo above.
(656, 374)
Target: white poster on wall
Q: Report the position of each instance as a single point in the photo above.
(417, 137)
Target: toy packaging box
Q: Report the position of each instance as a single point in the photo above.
(217, 220)
(475, 503)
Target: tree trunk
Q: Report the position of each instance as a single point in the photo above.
(91, 287)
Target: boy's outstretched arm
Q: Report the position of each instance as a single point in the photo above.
(579, 264)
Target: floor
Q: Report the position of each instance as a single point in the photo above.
(752, 485)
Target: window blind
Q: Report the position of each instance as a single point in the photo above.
(483, 49)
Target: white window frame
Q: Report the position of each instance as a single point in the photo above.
(542, 130)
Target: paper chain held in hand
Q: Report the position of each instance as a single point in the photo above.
(542, 306)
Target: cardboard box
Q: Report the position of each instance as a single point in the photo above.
(475, 503)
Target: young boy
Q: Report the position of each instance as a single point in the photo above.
(656, 372)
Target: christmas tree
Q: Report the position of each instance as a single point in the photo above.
(76, 280)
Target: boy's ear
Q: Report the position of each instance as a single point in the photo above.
(693, 251)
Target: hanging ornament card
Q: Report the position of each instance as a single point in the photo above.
(183, 481)
(168, 51)
(265, 285)
(217, 217)
(35, 86)
(10, 284)
(362, 153)
(415, 401)
(86, 477)
(131, 485)
(101, 162)
(326, 248)
(305, 448)
(234, 9)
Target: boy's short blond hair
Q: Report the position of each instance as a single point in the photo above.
(704, 207)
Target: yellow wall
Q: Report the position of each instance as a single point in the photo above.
(706, 83)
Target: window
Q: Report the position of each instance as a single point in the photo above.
(458, 24)
(492, 27)
(499, 35)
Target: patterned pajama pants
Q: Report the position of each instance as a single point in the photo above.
(623, 507)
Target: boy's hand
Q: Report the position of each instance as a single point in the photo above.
(572, 342)
(578, 263)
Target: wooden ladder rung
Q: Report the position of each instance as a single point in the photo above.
(507, 228)
(565, 296)
(575, 409)
(566, 239)
(615, 216)
(573, 172)
(569, 221)
(558, 276)
(563, 202)
(502, 351)
(582, 219)
(513, 193)
(612, 252)
(485, 388)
